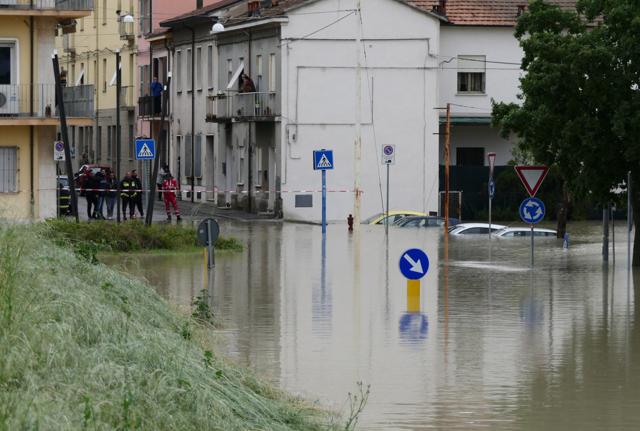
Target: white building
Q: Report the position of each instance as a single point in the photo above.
(306, 58)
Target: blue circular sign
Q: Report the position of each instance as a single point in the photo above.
(532, 210)
(492, 188)
(414, 264)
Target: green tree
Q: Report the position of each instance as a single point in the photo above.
(579, 96)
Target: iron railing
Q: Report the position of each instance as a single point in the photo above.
(247, 106)
(150, 106)
(39, 100)
(65, 5)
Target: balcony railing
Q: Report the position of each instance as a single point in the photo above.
(149, 106)
(243, 106)
(17, 101)
(63, 5)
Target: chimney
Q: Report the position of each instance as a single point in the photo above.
(440, 8)
(253, 8)
(199, 4)
(521, 9)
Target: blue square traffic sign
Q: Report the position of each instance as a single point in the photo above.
(323, 160)
(145, 149)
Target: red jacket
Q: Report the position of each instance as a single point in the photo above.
(170, 184)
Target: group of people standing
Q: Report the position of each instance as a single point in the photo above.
(102, 187)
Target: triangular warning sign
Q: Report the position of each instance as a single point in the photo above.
(145, 151)
(532, 177)
(324, 162)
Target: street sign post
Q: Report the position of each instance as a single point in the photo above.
(58, 151)
(532, 177)
(388, 159)
(491, 157)
(414, 264)
(323, 161)
(145, 149)
(207, 234)
(532, 211)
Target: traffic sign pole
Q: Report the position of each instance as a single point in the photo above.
(532, 246)
(413, 296)
(324, 201)
(491, 187)
(386, 219)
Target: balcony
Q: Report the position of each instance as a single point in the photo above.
(57, 8)
(226, 107)
(16, 103)
(150, 108)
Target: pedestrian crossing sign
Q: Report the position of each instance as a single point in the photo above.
(145, 149)
(323, 160)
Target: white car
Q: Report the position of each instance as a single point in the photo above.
(474, 228)
(511, 232)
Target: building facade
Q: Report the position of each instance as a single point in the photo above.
(28, 108)
(89, 57)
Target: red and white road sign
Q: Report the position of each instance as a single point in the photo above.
(532, 177)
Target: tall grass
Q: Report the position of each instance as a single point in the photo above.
(130, 236)
(85, 347)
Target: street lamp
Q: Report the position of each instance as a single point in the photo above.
(128, 19)
(217, 28)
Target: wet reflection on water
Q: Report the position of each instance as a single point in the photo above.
(494, 346)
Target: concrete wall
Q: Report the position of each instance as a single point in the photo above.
(477, 136)
(399, 94)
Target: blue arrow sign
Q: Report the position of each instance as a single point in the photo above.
(532, 210)
(414, 264)
(323, 160)
(145, 149)
(492, 188)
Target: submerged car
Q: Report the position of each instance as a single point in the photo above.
(474, 228)
(394, 216)
(424, 221)
(511, 232)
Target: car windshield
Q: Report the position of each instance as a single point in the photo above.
(372, 218)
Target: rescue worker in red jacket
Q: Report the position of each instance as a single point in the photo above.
(169, 187)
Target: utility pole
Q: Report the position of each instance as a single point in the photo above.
(118, 134)
(358, 139)
(65, 137)
(447, 146)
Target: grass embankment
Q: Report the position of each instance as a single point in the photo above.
(129, 237)
(86, 347)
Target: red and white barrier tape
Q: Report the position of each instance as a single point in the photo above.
(206, 191)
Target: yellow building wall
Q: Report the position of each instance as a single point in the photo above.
(17, 205)
(17, 28)
(95, 41)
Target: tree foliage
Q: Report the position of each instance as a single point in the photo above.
(580, 99)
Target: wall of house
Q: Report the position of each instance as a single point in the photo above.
(17, 205)
(477, 136)
(399, 94)
(181, 99)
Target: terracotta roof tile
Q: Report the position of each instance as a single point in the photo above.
(483, 12)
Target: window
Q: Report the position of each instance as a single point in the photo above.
(81, 24)
(259, 70)
(187, 155)
(95, 72)
(104, 12)
(475, 231)
(469, 156)
(8, 70)
(471, 74)
(272, 72)
(178, 67)
(199, 68)
(104, 75)
(229, 70)
(210, 67)
(8, 169)
(145, 16)
(189, 71)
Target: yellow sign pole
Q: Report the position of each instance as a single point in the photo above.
(413, 296)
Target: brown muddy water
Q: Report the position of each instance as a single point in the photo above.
(494, 346)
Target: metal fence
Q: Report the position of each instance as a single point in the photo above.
(150, 106)
(39, 100)
(242, 105)
(48, 4)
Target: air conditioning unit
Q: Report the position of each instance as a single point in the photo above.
(9, 100)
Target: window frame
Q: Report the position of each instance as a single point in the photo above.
(470, 66)
(16, 173)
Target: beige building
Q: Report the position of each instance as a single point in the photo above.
(28, 110)
(89, 57)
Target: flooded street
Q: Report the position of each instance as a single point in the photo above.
(495, 346)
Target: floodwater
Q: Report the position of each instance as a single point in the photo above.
(494, 346)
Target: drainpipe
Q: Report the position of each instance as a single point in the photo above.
(193, 111)
(250, 155)
(31, 113)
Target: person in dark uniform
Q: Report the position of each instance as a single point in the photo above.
(91, 184)
(125, 194)
(136, 198)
